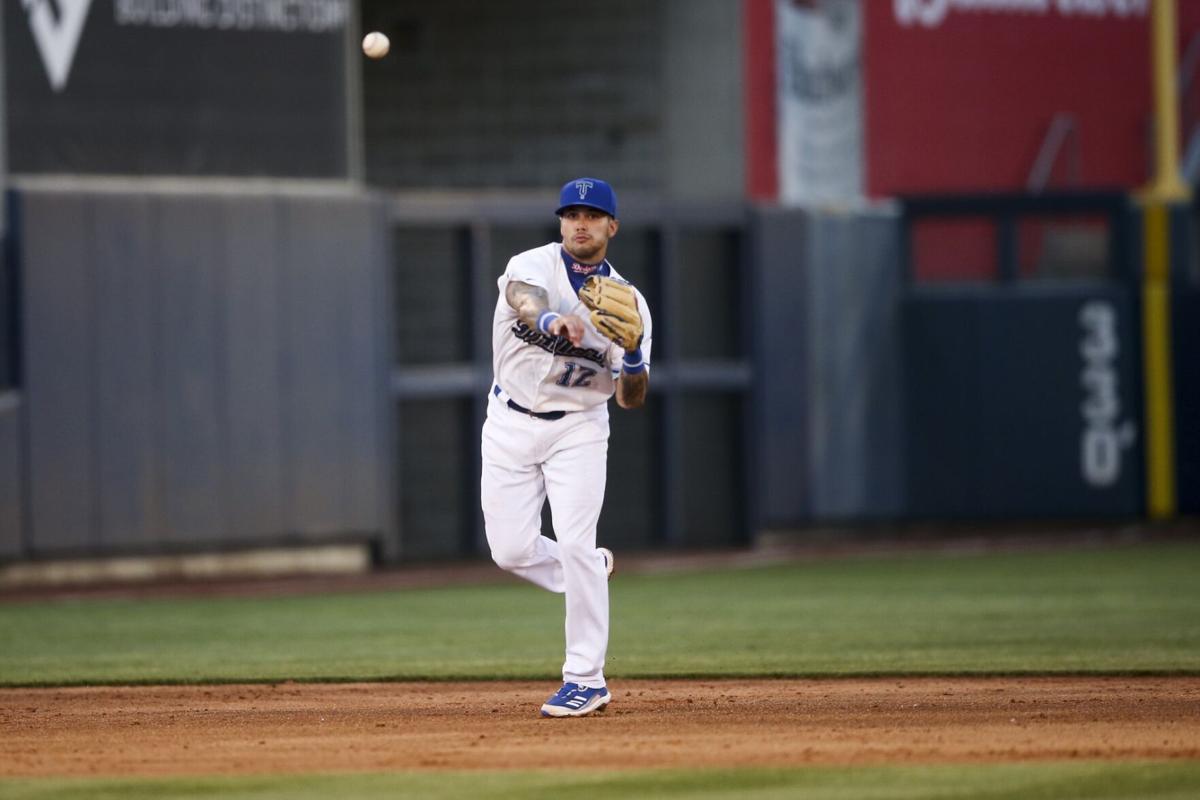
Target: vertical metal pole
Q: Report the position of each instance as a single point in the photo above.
(751, 403)
(907, 268)
(9, 288)
(1165, 189)
(1156, 360)
(671, 432)
(481, 303)
(355, 167)
(388, 404)
(1166, 185)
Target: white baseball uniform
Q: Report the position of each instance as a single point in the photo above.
(527, 459)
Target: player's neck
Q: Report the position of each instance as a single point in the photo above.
(578, 271)
(595, 260)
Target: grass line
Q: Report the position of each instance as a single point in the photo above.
(1123, 612)
(664, 676)
(1036, 781)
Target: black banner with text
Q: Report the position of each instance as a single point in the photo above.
(1023, 401)
(177, 87)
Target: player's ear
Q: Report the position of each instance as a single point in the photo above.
(613, 224)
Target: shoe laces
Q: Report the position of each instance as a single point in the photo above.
(568, 689)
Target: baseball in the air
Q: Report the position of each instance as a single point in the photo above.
(376, 45)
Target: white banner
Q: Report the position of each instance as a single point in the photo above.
(820, 101)
(931, 13)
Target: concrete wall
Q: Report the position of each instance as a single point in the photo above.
(514, 94)
(702, 100)
(525, 95)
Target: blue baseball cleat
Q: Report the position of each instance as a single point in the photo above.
(576, 700)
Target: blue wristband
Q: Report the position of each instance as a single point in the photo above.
(544, 320)
(633, 363)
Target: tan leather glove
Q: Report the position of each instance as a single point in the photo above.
(614, 312)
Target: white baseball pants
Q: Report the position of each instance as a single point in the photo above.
(525, 461)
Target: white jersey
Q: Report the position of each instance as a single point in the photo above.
(547, 373)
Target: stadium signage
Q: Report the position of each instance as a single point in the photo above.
(56, 34)
(819, 101)
(177, 87)
(1105, 436)
(56, 30)
(932, 13)
(287, 16)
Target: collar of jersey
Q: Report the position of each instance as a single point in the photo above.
(578, 273)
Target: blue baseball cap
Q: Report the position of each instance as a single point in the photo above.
(590, 192)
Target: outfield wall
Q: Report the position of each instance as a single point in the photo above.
(201, 368)
(10, 476)
(247, 365)
(889, 390)
(1022, 402)
(1185, 337)
(827, 367)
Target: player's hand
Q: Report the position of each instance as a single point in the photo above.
(568, 325)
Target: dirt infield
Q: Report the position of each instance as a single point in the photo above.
(299, 728)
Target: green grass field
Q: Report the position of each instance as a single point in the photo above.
(1072, 781)
(1120, 610)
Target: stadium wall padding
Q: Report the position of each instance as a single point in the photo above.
(1185, 333)
(10, 475)
(827, 363)
(204, 369)
(1022, 401)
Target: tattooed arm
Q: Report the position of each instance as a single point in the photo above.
(529, 301)
(631, 389)
(533, 307)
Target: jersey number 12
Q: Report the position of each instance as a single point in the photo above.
(582, 379)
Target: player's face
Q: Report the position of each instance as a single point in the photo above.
(585, 233)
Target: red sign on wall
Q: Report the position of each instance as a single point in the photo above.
(961, 96)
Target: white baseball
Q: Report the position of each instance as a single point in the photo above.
(376, 45)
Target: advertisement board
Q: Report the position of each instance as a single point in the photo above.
(177, 87)
(1022, 402)
(962, 95)
(819, 102)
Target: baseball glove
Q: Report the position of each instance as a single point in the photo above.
(613, 307)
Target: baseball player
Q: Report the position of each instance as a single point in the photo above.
(567, 334)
